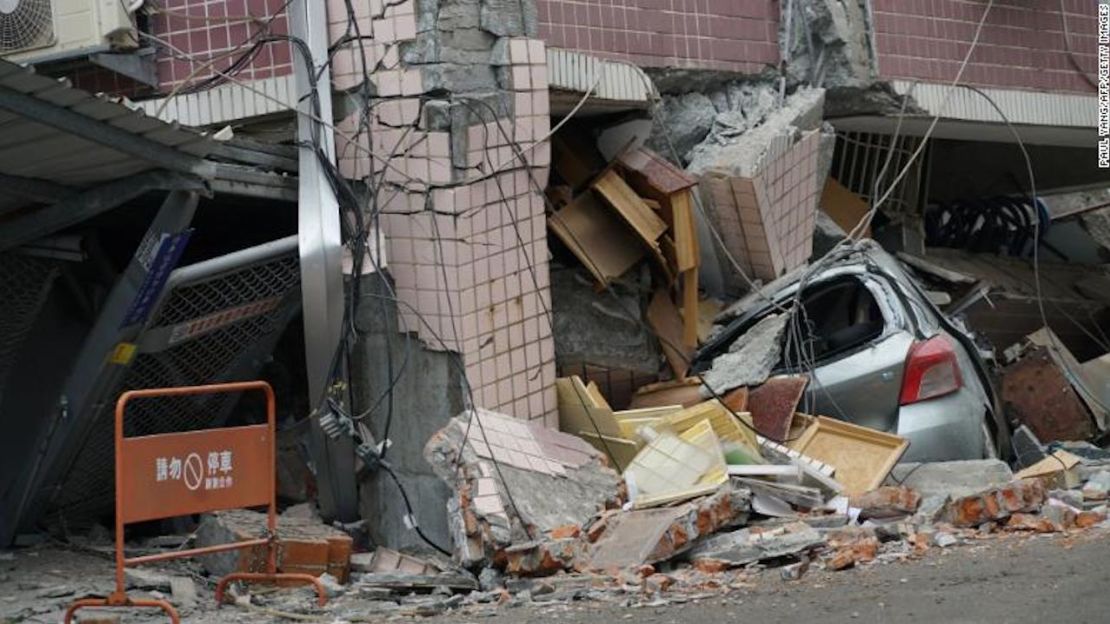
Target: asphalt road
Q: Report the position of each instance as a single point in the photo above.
(1035, 579)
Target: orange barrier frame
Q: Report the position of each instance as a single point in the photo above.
(119, 597)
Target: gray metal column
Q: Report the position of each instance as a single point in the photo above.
(321, 254)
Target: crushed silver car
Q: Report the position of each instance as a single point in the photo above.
(878, 353)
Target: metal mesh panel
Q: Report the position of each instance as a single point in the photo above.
(232, 352)
(24, 284)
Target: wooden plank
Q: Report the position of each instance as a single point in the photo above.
(647, 412)
(652, 175)
(664, 320)
(577, 411)
(844, 207)
(617, 194)
(598, 238)
(684, 231)
(862, 457)
(685, 393)
(690, 308)
(596, 397)
(620, 451)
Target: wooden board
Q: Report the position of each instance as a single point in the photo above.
(844, 207)
(578, 412)
(647, 412)
(708, 309)
(617, 194)
(685, 393)
(597, 237)
(723, 422)
(653, 175)
(862, 457)
(620, 451)
(596, 397)
(664, 320)
(684, 230)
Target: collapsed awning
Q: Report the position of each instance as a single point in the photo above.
(67, 155)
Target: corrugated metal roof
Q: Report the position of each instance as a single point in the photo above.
(52, 132)
(1034, 108)
(227, 102)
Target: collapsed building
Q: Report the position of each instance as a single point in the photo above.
(403, 212)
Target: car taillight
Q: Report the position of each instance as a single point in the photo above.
(931, 371)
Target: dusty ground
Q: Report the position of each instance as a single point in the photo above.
(1006, 579)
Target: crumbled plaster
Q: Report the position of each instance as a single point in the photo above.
(828, 43)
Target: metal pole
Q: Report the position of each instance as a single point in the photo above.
(320, 253)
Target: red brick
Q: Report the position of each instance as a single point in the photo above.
(1087, 519)
(710, 566)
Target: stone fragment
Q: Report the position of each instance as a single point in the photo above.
(944, 539)
(1030, 522)
(658, 583)
(183, 590)
(490, 579)
(1096, 488)
(542, 558)
(145, 578)
(886, 502)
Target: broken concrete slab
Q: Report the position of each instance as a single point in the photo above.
(1025, 496)
(952, 478)
(746, 546)
(743, 153)
(651, 535)
(599, 330)
(458, 580)
(688, 118)
(514, 481)
(750, 359)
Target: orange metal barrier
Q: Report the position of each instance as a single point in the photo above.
(176, 474)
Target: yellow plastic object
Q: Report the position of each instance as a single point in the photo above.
(671, 468)
(726, 426)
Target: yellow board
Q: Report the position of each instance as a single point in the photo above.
(727, 427)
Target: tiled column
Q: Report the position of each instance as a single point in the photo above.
(462, 215)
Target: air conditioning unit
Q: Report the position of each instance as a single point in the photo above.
(31, 30)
